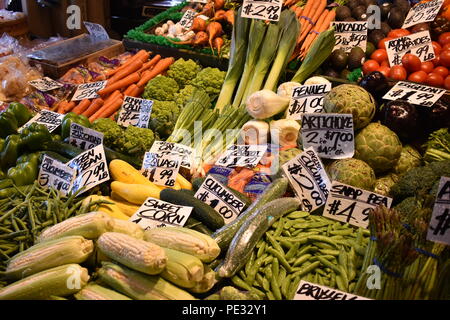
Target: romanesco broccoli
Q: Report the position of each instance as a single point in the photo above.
(161, 88)
(111, 131)
(210, 80)
(164, 117)
(136, 141)
(183, 71)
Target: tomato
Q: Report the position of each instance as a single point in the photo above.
(379, 55)
(385, 63)
(444, 38)
(446, 47)
(435, 80)
(427, 66)
(382, 43)
(411, 62)
(436, 61)
(397, 33)
(418, 76)
(443, 71)
(385, 70)
(445, 58)
(370, 66)
(437, 48)
(447, 83)
(398, 73)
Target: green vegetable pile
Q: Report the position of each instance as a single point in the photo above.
(438, 146)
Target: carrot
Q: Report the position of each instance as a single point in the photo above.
(306, 12)
(130, 89)
(320, 28)
(132, 67)
(60, 106)
(298, 12)
(68, 107)
(93, 108)
(113, 96)
(159, 68)
(107, 111)
(118, 85)
(137, 92)
(113, 117)
(82, 106)
(150, 64)
(142, 55)
(315, 14)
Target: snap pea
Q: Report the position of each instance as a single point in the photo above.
(274, 243)
(255, 268)
(344, 232)
(267, 260)
(307, 269)
(275, 288)
(330, 252)
(293, 288)
(280, 258)
(301, 260)
(321, 272)
(275, 268)
(261, 249)
(286, 244)
(281, 275)
(285, 285)
(341, 283)
(280, 226)
(327, 263)
(351, 265)
(286, 233)
(298, 215)
(260, 280)
(240, 283)
(292, 251)
(266, 284)
(270, 296)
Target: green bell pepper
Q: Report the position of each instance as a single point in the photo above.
(20, 112)
(34, 136)
(8, 124)
(26, 170)
(2, 143)
(11, 151)
(73, 118)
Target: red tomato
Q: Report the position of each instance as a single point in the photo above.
(435, 80)
(385, 63)
(447, 83)
(398, 73)
(382, 43)
(437, 48)
(443, 71)
(411, 62)
(445, 58)
(446, 47)
(385, 70)
(436, 61)
(397, 33)
(370, 66)
(379, 55)
(419, 76)
(427, 67)
(444, 38)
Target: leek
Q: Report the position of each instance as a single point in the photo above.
(236, 64)
(319, 52)
(291, 29)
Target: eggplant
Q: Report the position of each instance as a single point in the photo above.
(402, 117)
(437, 116)
(376, 84)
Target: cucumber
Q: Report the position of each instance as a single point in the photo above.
(251, 231)
(202, 212)
(56, 156)
(224, 235)
(197, 183)
(197, 226)
(188, 192)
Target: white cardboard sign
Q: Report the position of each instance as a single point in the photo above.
(56, 175)
(350, 34)
(439, 229)
(45, 84)
(423, 12)
(89, 90)
(185, 154)
(418, 44)
(242, 156)
(415, 93)
(311, 291)
(135, 112)
(161, 169)
(307, 99)
(50, 119)
(262, 10)
(84, 138)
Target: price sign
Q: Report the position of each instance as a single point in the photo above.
(45, 84)
(242, 156)
(311, 291)
(156, 213)
(183, 153)
(352, 205)
(84, 138)
(198, 1)
(331, 135)
(309, 180)
(97, 32)
(88, 90)
(415, 93)
(350, 34)
(307, 99)
(187, 19)
(56, 175)
(423, 12)
(161, 169)
(91, 167)
(439, 229)
(222, 200)
(51, 120)
(263, 10)
(135, 112)
(418, 44)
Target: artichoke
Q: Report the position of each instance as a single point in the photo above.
(384, 184)
(288, 154)
(353, 172)
(409, 158)
(352, 99)
(378, 146)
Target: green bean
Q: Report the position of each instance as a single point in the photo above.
(11, 212)
(5, 256)
(307, 269)
(280, 258)
(301, 260)
(5, 230)
(20, 221)
(13, 235)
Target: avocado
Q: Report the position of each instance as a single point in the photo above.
(396, 18)
(370, 49)
(344, 74)
(385, 28)
(339, 59)
(331, 73)
(358, 12)
(370, 3)
(353, 3)
(342, 13)
(356, 58)
(385, 9)
(376, 36)
(403, 5)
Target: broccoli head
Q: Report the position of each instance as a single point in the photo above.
(183, 71)
(136, 141)
(161, 88)
(112, 132)
(210, 80)
(164, 117)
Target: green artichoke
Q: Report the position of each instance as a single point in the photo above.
(384, 184)
(288, 154)
(409, 158)
(353, 172)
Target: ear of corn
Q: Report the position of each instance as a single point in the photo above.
(185, 240)
(89, 226)
(46, 255)
(140, 286)
(136, 254)
(111, 209)
(182, 269)
(135, 193)
(61, 281)
(130, 228)
(96, 292)
(206, 283)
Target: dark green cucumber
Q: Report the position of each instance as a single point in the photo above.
(197, 226)
(224, 235)
(241, 197)
(197, 183)
(189, 192)
(202, 212)
(251, 231)
(56, 156)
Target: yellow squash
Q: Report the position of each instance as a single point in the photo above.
(111, 209)
(135, 193)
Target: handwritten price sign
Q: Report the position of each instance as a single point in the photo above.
(161, 169)
(415, 93)
(183, 153)
(418, 44)
(135, 112)
(56, 175)
(423, 12)
(187, 19)
(263, 10)
(45, 84)
(51, 120)
(88, 90)
(84, 138)
(307, 99)
(350, 34)
(242, 156)
(439, 229)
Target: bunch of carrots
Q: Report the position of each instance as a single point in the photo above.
(129, 79)
(314, 18)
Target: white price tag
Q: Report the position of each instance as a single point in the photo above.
(309, 179)
(161, 169)
(91, 167)
(89, 90)
(56, 175)
(307, 99)
(423, 12)
(242, 156)
(352, 205)
(418, 44)
(45, 84)
(222, 200)
(350, 34)
(96, 31)
(199, 1)
(331, 135)
(51, 120)
(439, 229)
(187, 19)
(156, 213)
(263, 10)
(311, 291)
(183, 153)
(415, 93)
(84, 138)
(135, 112)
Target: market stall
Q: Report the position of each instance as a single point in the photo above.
(222, 151)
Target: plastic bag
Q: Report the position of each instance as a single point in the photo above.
(9, 45)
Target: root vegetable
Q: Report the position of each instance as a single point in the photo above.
(201, 38)
(229, 17)
(219, 16)
(214, 30)
(198, 24)
(219, 4)
(218, 44)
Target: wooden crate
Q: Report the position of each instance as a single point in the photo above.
(15, 28)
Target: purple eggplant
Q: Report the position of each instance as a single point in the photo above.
(376, 84)
(437, 116)
(403, 118)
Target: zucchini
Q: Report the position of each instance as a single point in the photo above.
(202, 212)
(224, 235)
(251, 231)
